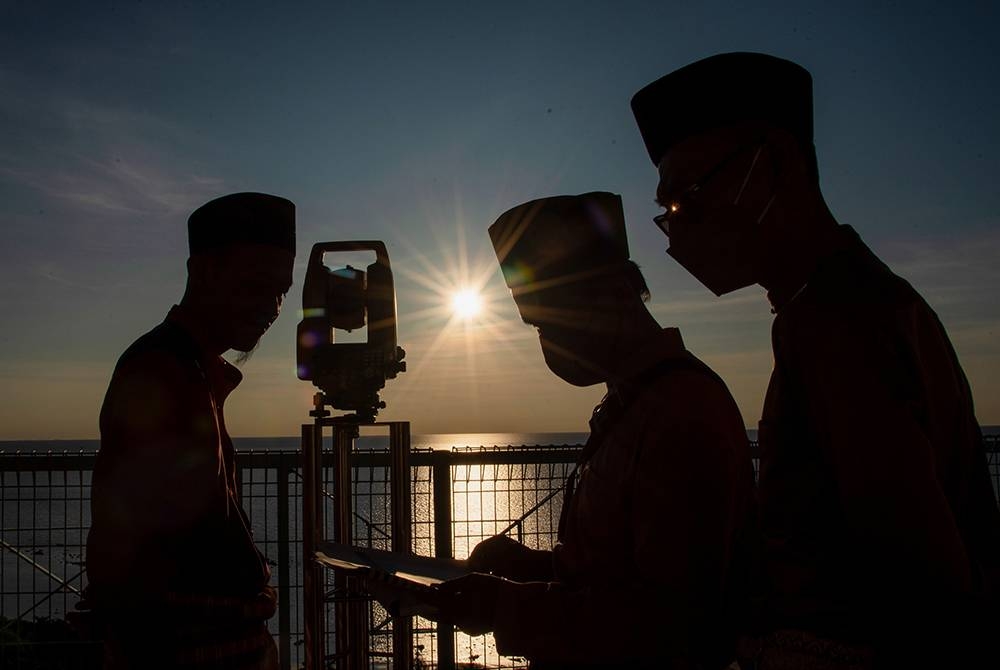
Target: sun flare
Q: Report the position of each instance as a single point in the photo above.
(466, 303)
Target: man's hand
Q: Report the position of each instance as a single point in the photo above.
(470, 601)
(504, 557)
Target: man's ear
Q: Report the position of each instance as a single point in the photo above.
(200, 270)
(788, 154)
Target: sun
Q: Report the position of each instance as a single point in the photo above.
(466, 304)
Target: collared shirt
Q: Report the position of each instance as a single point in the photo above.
(167, 519)
(875, 499)
(645, 562)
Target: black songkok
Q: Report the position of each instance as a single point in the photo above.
(724, 90)
(560, 238)
(242, 218)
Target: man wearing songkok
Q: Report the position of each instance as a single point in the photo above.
(656, 528)
(174, 575)
(880, 528)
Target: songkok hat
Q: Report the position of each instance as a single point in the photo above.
(242, 218)
(560, 238)
(723, 90)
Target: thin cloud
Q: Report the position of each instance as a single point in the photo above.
(705, 306)
(955, 269)
(98, 158)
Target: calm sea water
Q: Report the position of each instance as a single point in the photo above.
(428, 441)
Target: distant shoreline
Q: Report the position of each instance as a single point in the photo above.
(424, 441)
(291, 443)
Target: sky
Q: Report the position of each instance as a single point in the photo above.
(418, 124)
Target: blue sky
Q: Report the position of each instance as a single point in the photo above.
(418, 125)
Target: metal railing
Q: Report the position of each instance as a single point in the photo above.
(45, 515)
(458, 497)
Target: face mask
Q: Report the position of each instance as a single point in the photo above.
(576, 352)
(719, 244)
(723, 253)
(566, 365)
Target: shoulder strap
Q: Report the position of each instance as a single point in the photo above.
(613, 406)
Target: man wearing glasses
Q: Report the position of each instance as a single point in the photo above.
(881, 533)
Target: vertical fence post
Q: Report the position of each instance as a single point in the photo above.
(284, 471)
(312, 578)
(402, 531)
(342, 443)
(441, 476)
(350, 611)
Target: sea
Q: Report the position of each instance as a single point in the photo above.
(425, 441)
(366, 441)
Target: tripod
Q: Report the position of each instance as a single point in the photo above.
(349, 595)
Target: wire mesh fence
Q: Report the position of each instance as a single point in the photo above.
(44, 518)
(458, 497)
(45, 515)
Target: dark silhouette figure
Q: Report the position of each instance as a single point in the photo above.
(652, 533)
(881, 533)
(174, 575)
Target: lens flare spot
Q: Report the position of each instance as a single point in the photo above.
(309, 339)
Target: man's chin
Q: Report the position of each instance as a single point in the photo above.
(572, 372)
(247, 341)
(579, 380)
(244, 348)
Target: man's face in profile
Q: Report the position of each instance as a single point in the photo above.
(573, 330)
(713, 189)
(251, 281)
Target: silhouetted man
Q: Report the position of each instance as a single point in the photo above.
(173, 570)
(881, 534)
(651, 536)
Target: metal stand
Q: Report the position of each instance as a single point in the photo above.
(351, 606)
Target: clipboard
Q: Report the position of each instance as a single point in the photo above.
(404, 584)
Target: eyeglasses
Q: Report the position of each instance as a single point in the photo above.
(689, 195)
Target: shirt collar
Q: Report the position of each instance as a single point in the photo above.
(666, 343)
(844, 239)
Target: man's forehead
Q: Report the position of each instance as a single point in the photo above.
(691, 157)
(685, 162)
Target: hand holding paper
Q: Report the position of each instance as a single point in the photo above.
(502, 556)
(470, 602)
(405, 584)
